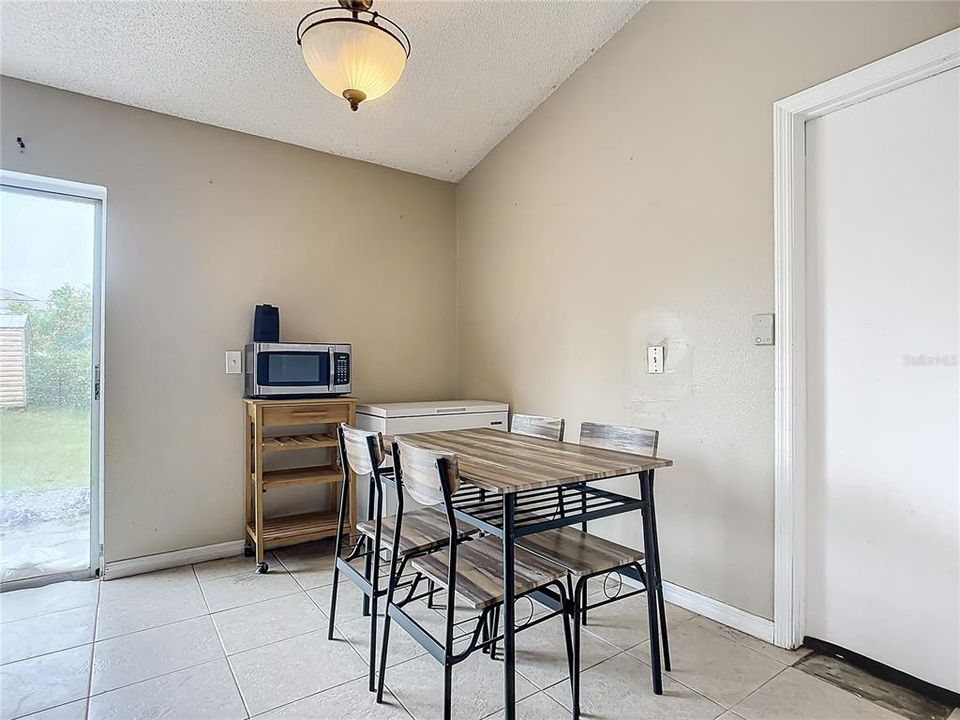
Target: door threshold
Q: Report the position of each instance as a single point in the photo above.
(34, 582)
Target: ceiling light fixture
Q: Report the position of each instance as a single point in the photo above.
(353, 52)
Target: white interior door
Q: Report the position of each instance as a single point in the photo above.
(883, 527)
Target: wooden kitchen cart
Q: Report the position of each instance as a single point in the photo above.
(280, 427)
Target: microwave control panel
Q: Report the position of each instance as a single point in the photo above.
(341, 368)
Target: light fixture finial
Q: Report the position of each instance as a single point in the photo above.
(354, 97)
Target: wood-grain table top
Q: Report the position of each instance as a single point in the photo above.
(503, 462)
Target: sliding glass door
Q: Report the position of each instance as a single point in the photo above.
(50, 329)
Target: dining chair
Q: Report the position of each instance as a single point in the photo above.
(550, 428)
(424, 529)
(586, 556)
(469, 571)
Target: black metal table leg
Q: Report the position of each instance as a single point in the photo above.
(661, 606)
(575, 598)
(509, 645)
(652, 581)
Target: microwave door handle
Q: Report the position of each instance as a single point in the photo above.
(331, 358)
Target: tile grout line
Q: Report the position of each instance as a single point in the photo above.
(755, 691)
(226, 575)
(734, 641)
(86, 698)
(272, 642)
(52, 612)
(301, 591)
(93, 647)
(363, 659)
(91, 695)
(223, 648)
(627, 652)
(155, 677)
(45, 654)
(196, 665)
(164, 624)
(565, 680)
(257, 602)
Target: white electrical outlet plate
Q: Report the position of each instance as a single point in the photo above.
(655, 359)
(234, 362)
(763, 329)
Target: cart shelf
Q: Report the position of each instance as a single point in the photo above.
(299, 442)
(279, 531)
(314, 475)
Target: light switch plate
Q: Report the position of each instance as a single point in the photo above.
(655, 359)
(234, 362)
(763, 329)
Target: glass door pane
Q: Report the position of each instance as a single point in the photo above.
(48, 249)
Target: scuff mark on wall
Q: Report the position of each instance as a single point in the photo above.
(649, 398)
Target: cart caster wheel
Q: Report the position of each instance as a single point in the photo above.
(248, 551)
(261, 568)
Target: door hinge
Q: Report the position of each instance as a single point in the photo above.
(96, 381)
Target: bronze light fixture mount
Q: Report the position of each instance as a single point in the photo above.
(356, 5)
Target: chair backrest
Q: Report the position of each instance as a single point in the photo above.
(429, 477)
(639, 441)
(355, 445)
(550, 428)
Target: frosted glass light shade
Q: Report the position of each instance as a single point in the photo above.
(346, 55)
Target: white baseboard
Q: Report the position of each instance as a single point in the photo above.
(162, 561)
(720, 612)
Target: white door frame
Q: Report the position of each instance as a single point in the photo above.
(790, 116)
(25, 181)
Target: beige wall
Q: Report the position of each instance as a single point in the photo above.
(634, 207)
(202, 224)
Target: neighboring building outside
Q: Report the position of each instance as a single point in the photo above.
(13, 361)
(14, 336)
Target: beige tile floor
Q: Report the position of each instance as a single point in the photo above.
(215, 641)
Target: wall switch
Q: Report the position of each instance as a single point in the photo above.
(763, 329)
(234, 362)
(655, 359)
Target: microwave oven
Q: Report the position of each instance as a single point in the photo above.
(285, 370)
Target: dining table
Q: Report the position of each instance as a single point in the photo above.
(516, 485)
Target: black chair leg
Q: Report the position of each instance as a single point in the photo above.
(485, 632)
(368, 560)
(374, 599)
(396, 570)
(395, 573)
(344, 495)
(430, 590)
(583, 603)
(568, 642)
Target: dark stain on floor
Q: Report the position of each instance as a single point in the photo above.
(893, 697)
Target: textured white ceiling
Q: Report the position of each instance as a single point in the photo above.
(476, 70)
